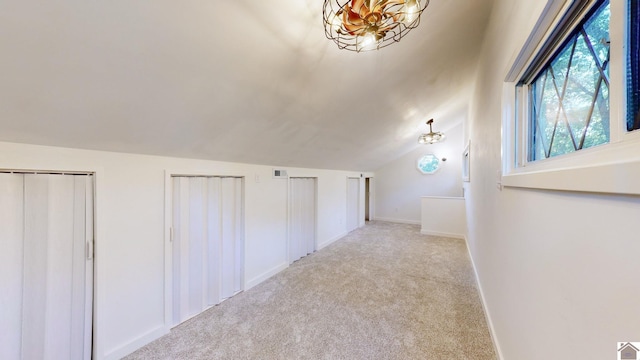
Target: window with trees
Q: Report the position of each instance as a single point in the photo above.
(569, 96)
(571, 100)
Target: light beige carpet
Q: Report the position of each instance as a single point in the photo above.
(383, 292)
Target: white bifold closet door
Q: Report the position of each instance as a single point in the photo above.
(207, 243)
(302, 218)
(46, 266)
(353, 203)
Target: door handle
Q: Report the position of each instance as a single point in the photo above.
(90, 250)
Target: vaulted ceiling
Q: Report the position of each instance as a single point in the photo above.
(244, 81)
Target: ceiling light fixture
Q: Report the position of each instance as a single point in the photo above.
(361, 25)
(431, 137)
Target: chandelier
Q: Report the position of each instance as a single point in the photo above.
(431, 137)
(361, 25)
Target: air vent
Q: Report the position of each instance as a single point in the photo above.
(280, 174)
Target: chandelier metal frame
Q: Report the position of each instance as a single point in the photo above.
(364, 25)
(431, 137)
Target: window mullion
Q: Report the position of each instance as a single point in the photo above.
(590, 114)
(595, 56)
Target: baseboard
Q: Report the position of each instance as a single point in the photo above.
(398, 221)
(442, 234)
(137, 343)
(496, 345)
(332, 240)
(265, 275)
(269, 273)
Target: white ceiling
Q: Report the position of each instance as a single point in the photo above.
(244, 81)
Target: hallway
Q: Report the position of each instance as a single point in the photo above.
(383, 292)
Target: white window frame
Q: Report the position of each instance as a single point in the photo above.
(608, 168)
(426, 172)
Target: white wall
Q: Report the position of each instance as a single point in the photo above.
(558, 270)
(444, 216)
(130, 227)
(399, 185)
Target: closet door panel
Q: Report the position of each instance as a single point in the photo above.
(239, 231)
(59, 273)
(180, 249)
(353, 191)
(44, 221)
(36, 247)
(54, 306)
(207, 253)
(89, 263)
(311, 216)
(294, 221)
(228, 237)
(79, 266)
(302, 218)
(214, 243)
(11, 264)
(197, 213)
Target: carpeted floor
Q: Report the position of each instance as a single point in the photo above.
(383, 292)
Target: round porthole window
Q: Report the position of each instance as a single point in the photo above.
(428, 164)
